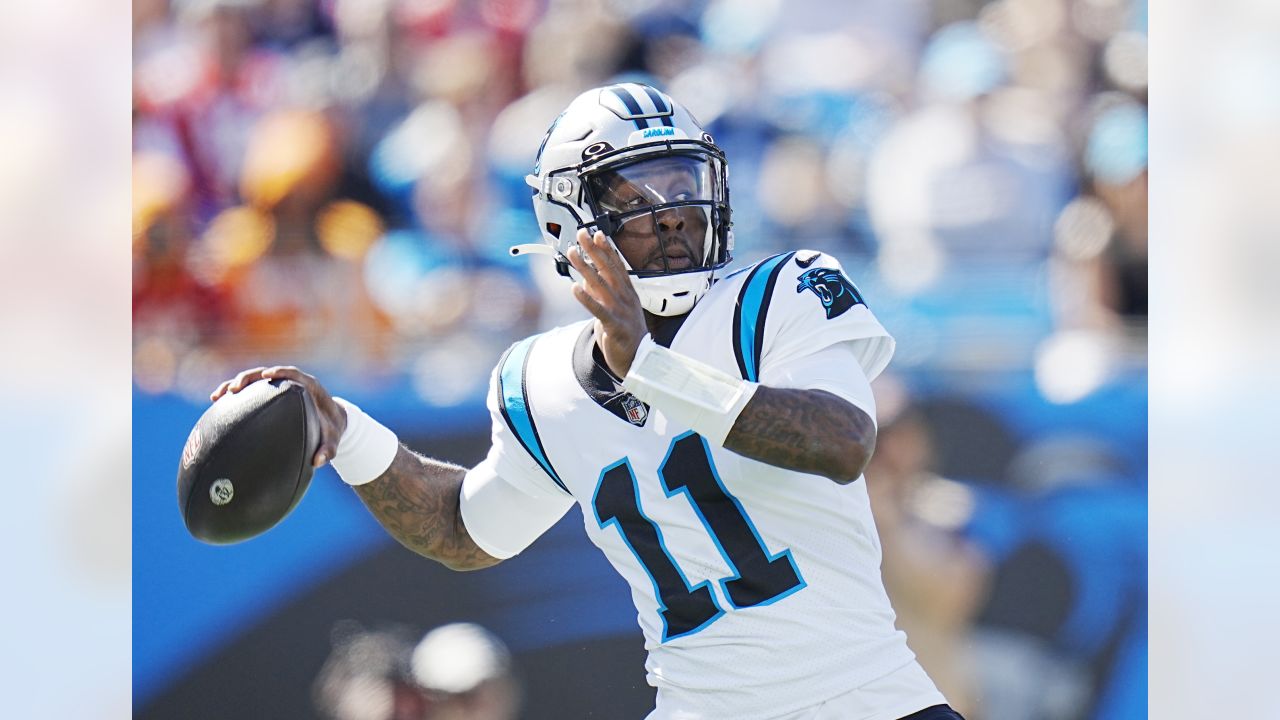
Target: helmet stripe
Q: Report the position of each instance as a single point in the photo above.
(633, 105)
(660, 105)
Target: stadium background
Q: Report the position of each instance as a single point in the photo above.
(335, 185)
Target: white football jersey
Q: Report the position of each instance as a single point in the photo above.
(758, 589)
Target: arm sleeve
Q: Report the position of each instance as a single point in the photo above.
(508, 500)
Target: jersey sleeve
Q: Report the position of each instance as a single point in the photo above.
(514, 494)
(799, 303)
(502, 517)
(835, 369)
(516, 451)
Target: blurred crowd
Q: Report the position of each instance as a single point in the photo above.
(335, 183)
(459, 671)
(1017, 566)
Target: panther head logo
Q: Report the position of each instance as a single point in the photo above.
(832, 288)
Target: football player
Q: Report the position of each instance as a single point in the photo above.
(713, 428)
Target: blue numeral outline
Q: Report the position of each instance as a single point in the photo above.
(663, 604)
(715, 537)
(657, 591)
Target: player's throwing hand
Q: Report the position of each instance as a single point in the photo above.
(333, 419)
(606, 290)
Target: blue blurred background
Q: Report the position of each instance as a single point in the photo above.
(334, 185)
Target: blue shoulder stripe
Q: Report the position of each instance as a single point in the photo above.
(513, 400)
(750, 313)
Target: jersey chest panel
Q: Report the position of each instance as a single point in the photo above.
(672, 514)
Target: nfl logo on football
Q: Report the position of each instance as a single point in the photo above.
(636, 411)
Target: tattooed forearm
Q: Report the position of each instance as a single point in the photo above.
(416, 500)
(810, 431)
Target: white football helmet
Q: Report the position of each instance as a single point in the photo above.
(628, 160)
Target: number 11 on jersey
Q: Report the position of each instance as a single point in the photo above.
(759, 578)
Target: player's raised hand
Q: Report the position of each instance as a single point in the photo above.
(607, 292)
(333, 419)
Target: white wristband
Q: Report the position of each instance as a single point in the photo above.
(366, 448)
(690, 393)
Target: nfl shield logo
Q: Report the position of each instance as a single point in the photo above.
(636, 412)
(192, 448)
